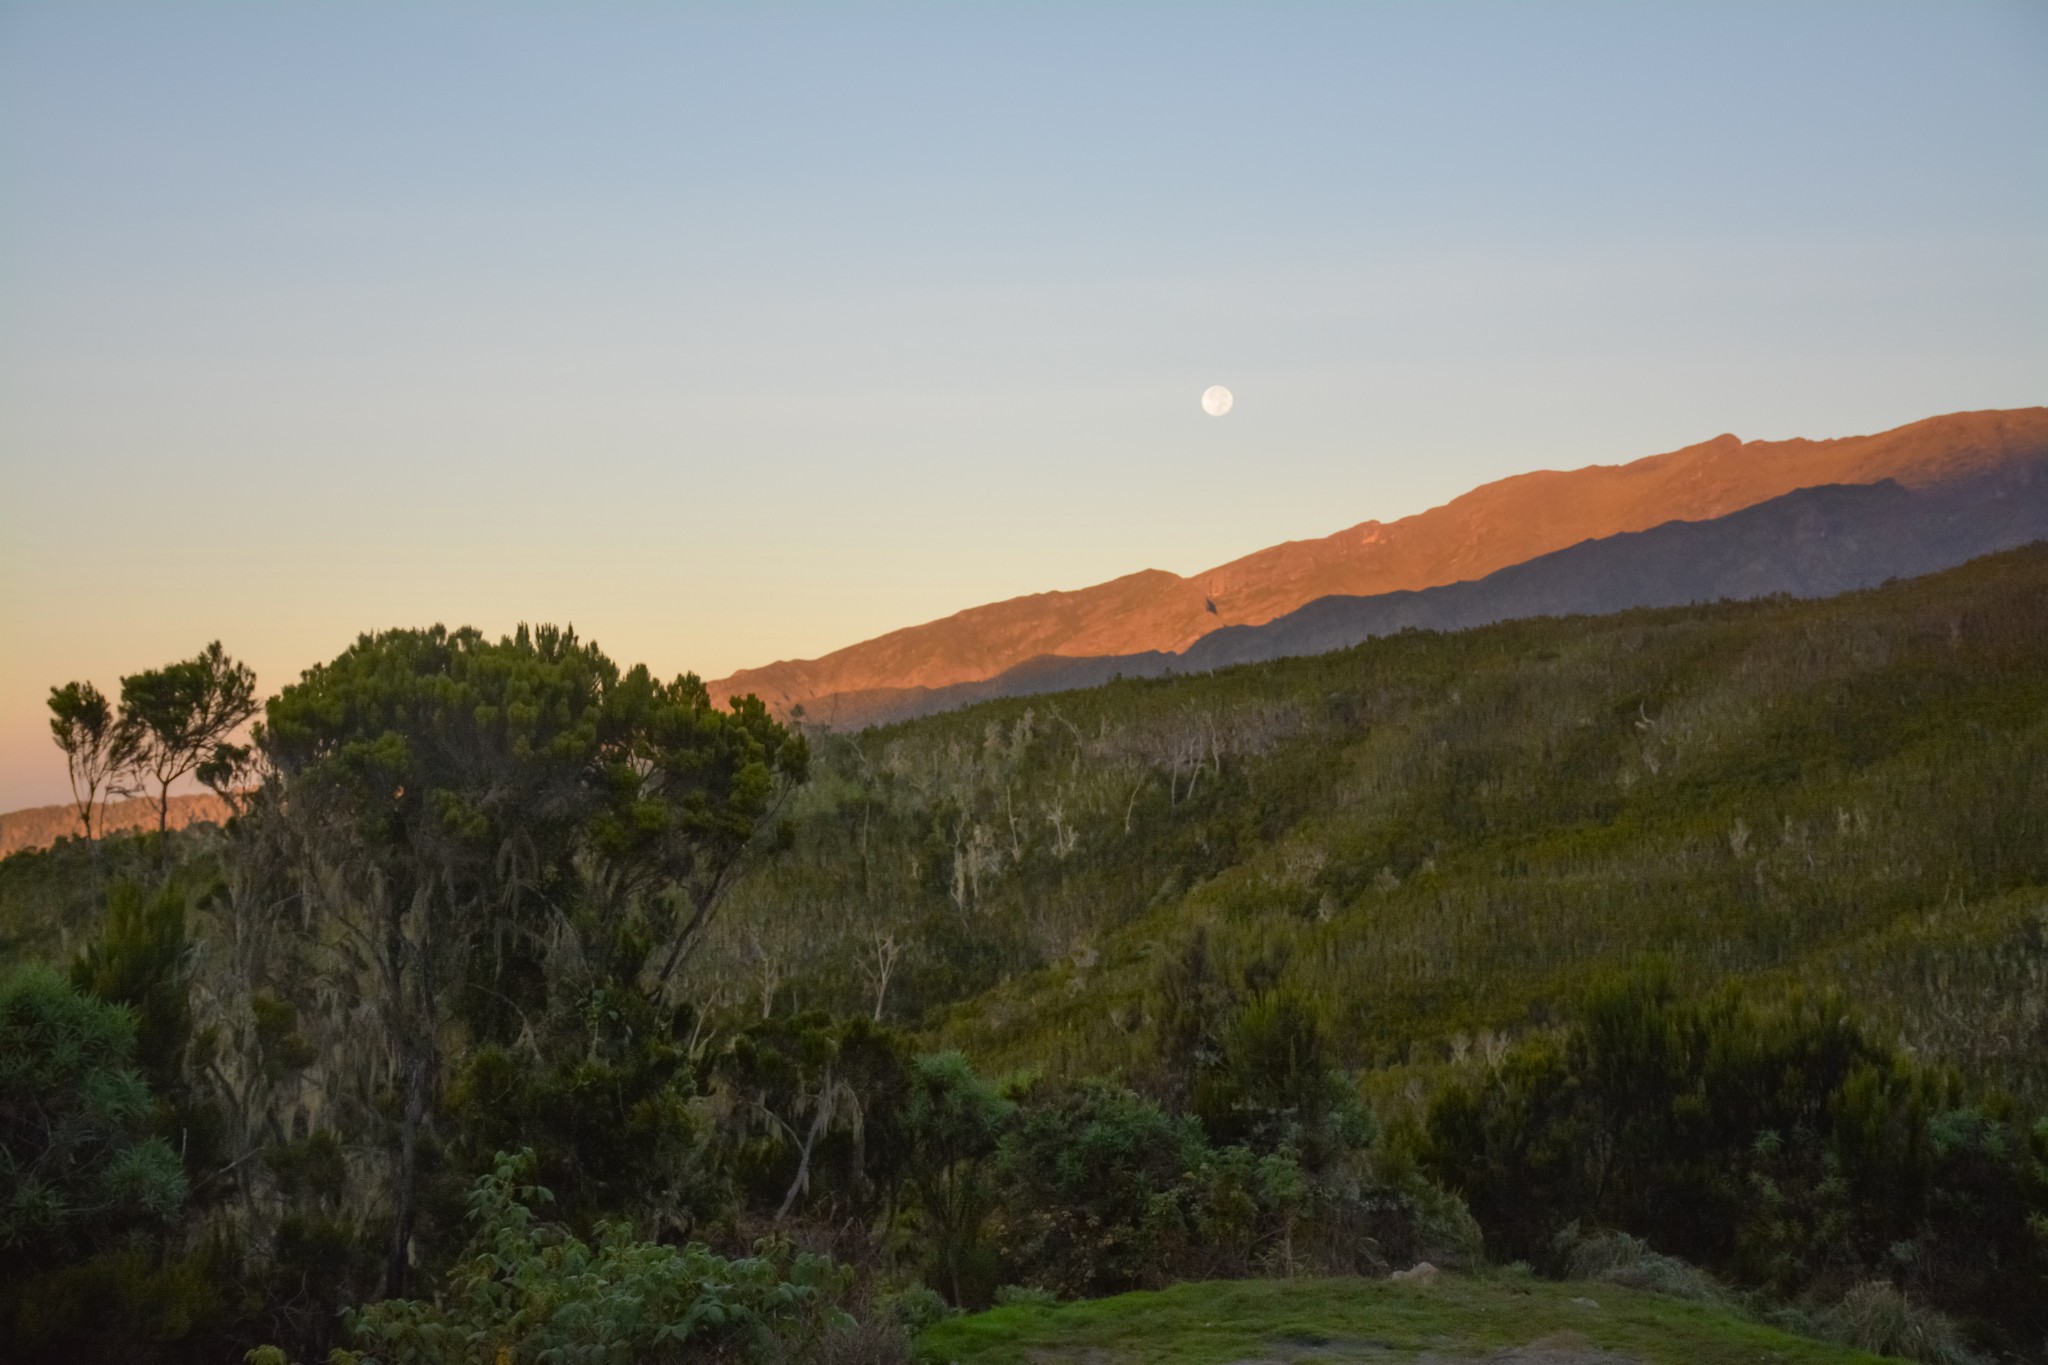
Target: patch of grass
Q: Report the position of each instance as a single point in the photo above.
(1458, 1316)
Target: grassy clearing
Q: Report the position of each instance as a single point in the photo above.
(1458, 1317)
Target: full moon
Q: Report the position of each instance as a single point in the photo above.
(1216, 400)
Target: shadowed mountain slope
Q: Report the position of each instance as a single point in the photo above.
(1494, 526)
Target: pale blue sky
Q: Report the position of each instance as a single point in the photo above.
(736, 333)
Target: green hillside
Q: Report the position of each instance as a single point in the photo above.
(1440, 836)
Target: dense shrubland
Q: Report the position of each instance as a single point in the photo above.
(1439, 834)
(1713, 940)
(1780, 1145)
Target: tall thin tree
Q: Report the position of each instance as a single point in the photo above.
(98, 748)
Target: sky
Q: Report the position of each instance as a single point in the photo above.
(731, 334)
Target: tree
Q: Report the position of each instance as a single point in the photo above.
(182, 714)
(476, 814)
(953, 1120)
(785, 1074)
(231, 772)
(97, 747)
(1195, 1002)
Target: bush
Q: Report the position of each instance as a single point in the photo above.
(1377, 1212)
(914, 1308)
(1777, 1143)
(1100, 1190)
(1621, 1259)
(872, 1341)
(1024, 1295)
(524, 1291)
(1094, 1182)
(76, 1164)
(1876, 1317)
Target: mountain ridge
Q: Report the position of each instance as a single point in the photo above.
(41, 826)
(1493, 526)
(1812, 542)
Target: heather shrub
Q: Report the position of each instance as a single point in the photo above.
(1621, 1259)
(1876, 1317)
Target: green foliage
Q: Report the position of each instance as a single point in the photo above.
(617, 1132)
(1102, 1191)
(1444, 836)
(1095, 1182)
(138, 961)
(53, 900)
(915, 1308)
(1014, 1295)
(1252, 1060)
(614, 1122)
(76, 1164)
(513, 835)
(82, 1183)
(497, 765)
(127, 1303)
(1280, 1087)
(526, 1291)
(953, 1120)
(782, 1075)
(1778, 1143)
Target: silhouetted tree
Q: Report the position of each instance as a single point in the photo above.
(97, 747)
(182, 714)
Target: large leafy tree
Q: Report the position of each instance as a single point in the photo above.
(97, 747)
(496, 817)
(181, 716)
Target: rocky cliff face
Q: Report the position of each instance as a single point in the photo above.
(1490, 528)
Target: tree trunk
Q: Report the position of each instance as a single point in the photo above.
(415, 1020)
(803, 1164)
(398, 1262)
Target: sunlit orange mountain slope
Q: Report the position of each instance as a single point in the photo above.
(1490, 528)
